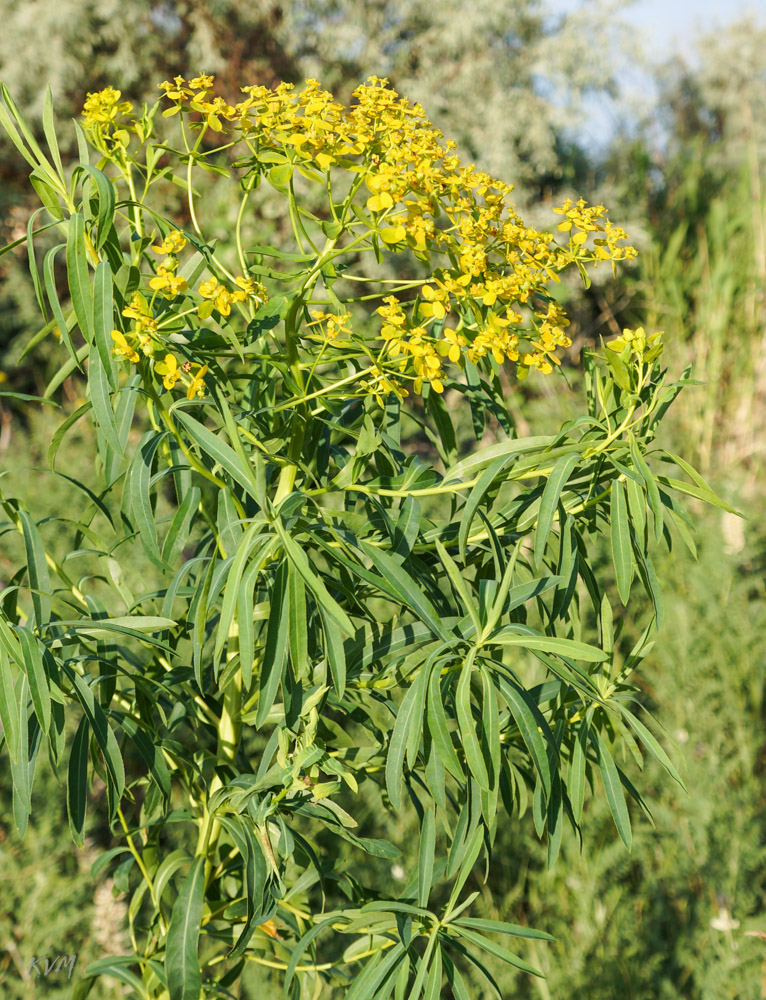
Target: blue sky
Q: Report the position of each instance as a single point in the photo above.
(667, 27)
(671, 24)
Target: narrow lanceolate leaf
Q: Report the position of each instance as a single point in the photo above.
(471, 747)
(104, 734)
(477, 494)
(181, 958)
(507, 636)
(652, 491)
(106, 202)
(613, 788)
(651, 744)
(178, 532)
(275, 651)
(37, 569)
(298, 638)
(528, 720)
(426, 856)
(334, 651)
(398, 745)
(561, 472)
(228, 604)
(438, 728)
(103, 321)
(406, 589)
(77, 781)
(98, 387)
(621, 547)
(500, 927)
(221, 453)
(9, 709)
(461, 587)
(313, 581)
(498, 951)
(36, 677)
(138, 487)
(576, 784)
(79, 278)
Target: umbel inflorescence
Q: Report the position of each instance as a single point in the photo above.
(405, 188)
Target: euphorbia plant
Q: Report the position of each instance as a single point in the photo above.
(333, 626)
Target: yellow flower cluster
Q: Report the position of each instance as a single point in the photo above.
(104, 118)
(637, 344)
(104, 106)
(488, 297)
(333, 323)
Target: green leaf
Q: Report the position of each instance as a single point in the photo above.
(437, 727)
(468, 738)
(151, 753)
(527, 717)
(551, 494)
(457, 581)
(653, 493)
(499, 952)
(366, 984)
(298, 558)
(255, 874)
(77, 781)
(218, 450)
(178, 532)
(434, 981)
(576, 785)
(138, 487)
(275, 651)
(398, 740)
(500, 927)
(475, 497)
(613, 788)
(298, 637)
(36, 677)
(181, 958)
(50, 131)
(621, 547)
(9, 707)
(426, 856)
(405, 588)
(79, 278)
(231, 590)
(115, 967)
(103, 321)
(651, 744)
(104, 737)
(106, 202)
(37, 569)
(707, 495)
(98, 389)
(335, 652)
(61, 430)
(508, 636)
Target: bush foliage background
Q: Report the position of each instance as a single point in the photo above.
(663, 920)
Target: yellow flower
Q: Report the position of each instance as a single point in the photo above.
(169, 370)
(103, 107)
(207, 288)
(173, 243)
(167, 283)
(253, 289)
(197, 384)
(122, 348)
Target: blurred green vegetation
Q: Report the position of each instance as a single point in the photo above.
(683, 914)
